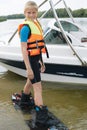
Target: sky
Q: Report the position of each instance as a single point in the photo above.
(8, 7)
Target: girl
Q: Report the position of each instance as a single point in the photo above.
(32, 46)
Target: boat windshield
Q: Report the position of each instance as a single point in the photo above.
(67, 26)
(46, 30)
(54, 37)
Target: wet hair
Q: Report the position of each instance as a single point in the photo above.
(30, 4)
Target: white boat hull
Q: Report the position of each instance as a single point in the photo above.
(62, 77)
(67, 60)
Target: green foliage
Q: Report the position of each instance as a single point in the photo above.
(15, 16)
(85, 13)
(60, 12)
(80, 13)
(2, 18)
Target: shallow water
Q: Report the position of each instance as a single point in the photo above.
(67, 101)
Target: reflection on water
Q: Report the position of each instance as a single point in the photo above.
(10, 119)
(68, 102)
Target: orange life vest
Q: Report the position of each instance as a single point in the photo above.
(35, 42)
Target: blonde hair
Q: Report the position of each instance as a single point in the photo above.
(30, 4)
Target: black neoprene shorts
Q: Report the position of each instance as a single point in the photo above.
(34, 61)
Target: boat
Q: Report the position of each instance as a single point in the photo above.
(67, 62)
(76, 34)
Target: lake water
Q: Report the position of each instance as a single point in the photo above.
(67, 101)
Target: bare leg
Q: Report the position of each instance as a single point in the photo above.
(26, 96)
(27, 86)
(37, 87)
(41, 111)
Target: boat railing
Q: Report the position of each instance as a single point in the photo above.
(68, 11)
(52, 7)
(49, 9)
(65, 36)
(66, 7)
(10, 39)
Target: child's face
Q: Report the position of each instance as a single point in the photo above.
(31, 14)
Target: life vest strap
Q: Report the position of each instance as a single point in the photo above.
(37, 41)
(47, 52)
(40, 47)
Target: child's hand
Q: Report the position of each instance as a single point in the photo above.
(30, 74)
(42, 69)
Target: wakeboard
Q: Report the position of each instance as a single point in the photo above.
(52, 124)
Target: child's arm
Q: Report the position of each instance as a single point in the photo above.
(24, 33)
(26, 60)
